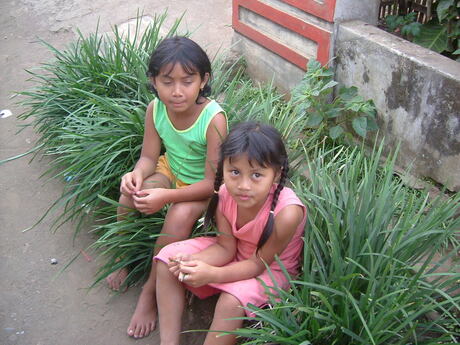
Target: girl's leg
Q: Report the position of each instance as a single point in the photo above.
(170, 306)
(228, 306)
(177, 226)
(171, 297)
(116, 279)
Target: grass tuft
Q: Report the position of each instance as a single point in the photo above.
(370, 269)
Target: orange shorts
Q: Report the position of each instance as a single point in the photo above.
(164, 169)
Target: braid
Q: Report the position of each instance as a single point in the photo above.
(211, 211)
(271, 217)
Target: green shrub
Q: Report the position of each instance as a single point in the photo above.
(367, 274)
(345, 114)
(440, 33)
(407, 25)
(88, 108)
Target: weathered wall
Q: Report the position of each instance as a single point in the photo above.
(366, 11)
(278, 37)
(416, 92)
(266, 66)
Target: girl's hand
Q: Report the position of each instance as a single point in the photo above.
(175, 262)
(196, 273)
(131, 183)
(149, 201)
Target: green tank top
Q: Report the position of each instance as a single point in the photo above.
(185, 149)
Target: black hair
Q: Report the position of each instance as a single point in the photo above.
(263, 144)
(182, 50)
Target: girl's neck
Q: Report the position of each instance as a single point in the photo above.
(184, 120)
(244, 215)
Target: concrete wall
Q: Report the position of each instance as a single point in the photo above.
(266, 66)
(292, 31)
(416, 92)
(278, 37)
(366, 11)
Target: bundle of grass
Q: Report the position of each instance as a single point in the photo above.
(368, 272)
(88, 108)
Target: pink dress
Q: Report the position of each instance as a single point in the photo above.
(249, 290)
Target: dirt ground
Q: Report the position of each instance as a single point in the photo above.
(37, 306)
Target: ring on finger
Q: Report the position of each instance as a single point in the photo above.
(182, 276)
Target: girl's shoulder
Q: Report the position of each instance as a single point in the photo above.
(150, 111)
(223, 192)
(153, 103)
(213, 107)
(288, 192)
(214, 114)
(155, 107)
(287, 197)
(224, 198)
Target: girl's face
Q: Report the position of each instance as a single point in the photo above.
(177, 89)
(248, 182)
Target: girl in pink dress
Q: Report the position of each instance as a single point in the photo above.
(257, 218)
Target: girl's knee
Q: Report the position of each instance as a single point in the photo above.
(162, 268)
(124, 199)
(183, 211)
(228, 301)
(127, 204)
(180, 219)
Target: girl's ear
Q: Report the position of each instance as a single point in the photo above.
(152, 81)
(278, 175)
(205, 80)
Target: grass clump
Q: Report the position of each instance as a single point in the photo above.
(369, 274)
(88, 107)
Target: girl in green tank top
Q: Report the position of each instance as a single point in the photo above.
(190, 126)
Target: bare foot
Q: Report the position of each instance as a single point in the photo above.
(116, 279)
(144, 319)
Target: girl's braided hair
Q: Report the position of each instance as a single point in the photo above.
(263, 144)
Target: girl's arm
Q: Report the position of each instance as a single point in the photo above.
(151, 146)
(224, 250)
(218, 254)
(146, 164)
(286, 223)
(217, 131)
